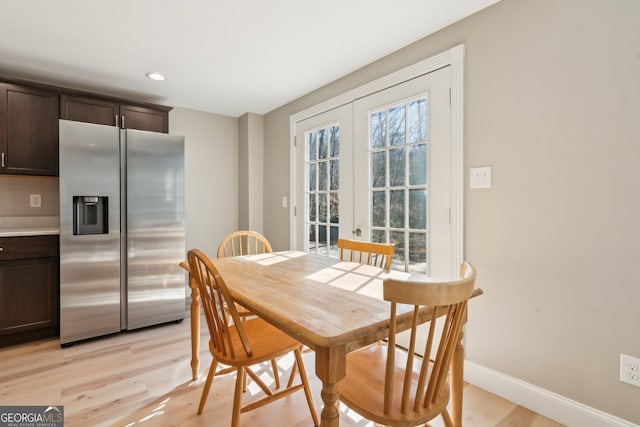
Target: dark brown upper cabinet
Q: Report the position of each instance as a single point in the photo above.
(89, 110)
(112, 113)
(28, 130)
(144, 118)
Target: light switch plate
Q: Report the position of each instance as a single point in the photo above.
(480, 177)
(35, 200)
(284, 201)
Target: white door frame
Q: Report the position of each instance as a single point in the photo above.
(453, 57)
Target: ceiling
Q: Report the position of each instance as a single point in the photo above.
(225, 57)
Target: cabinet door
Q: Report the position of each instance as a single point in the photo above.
(28, 130)
(28, 295)
(88, 110)
(143, 118)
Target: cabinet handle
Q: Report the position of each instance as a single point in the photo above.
(116, 116)
(2, 159)
(122, 122)
(1, 249)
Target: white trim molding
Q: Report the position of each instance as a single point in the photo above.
(544, 402)
(454, 58)
(457, 158)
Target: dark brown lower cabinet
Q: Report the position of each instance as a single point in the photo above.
(29, 289)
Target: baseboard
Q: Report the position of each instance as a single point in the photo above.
(551, 405)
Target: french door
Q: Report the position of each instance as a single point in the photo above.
(324, 177)
(402, 172)
(379, 169)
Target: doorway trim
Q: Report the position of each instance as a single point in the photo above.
(454, 58)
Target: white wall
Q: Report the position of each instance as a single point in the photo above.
(256, 171)
(244, 202)
(251, 177)
(552, 102)
(211, 178)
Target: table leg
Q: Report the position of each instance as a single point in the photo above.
(457, 375)
(195, 327)
(330, 368)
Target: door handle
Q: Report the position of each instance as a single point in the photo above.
(116, 116)
(357, 232)
(122, 122)
(2, 159)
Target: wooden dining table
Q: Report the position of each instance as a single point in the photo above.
(331, 306)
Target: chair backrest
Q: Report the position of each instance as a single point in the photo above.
(376, 254)
(445, 297)
(244, 242)
(216, 303)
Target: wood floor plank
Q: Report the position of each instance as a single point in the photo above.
(143, 378)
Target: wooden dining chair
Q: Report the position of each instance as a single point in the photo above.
(246, 242)
(376, 254)
(394, 387)
(240, 345)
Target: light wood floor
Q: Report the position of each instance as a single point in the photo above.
(143, 379)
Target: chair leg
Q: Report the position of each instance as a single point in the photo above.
(244, 374)
(237, 396)
(294, 371)
(244, 380)
(446, 418)
(276, 375)
(207, 385)
(305, 383)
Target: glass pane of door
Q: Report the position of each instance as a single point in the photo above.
(398, 175)
(322, 166)
(324, 212)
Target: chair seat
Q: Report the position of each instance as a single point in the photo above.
(267, 343)
(364, 392)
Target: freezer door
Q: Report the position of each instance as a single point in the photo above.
(155, 228)
(89, 263)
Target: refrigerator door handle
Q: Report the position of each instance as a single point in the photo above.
(76, 218)
(116, 116)
(122, 121)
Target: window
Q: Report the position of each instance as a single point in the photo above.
(322, 197)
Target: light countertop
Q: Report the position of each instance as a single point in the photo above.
(29, 226)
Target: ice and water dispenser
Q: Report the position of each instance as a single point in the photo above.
(90, 215)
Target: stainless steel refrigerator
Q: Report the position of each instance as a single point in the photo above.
(121, 229)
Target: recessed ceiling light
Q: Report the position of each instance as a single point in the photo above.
(156, 76)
